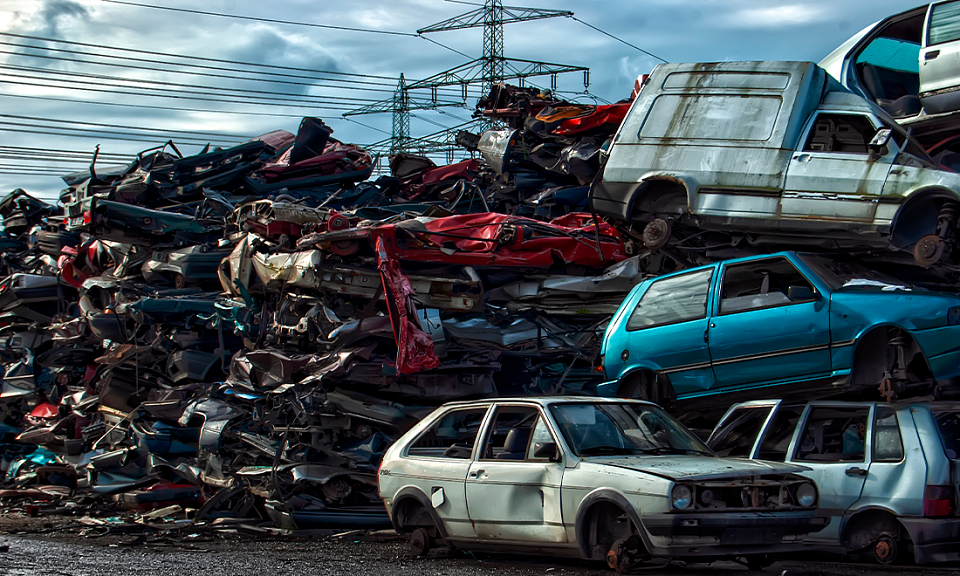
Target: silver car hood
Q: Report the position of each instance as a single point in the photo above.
(695, 467)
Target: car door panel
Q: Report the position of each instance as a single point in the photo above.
(940, 54)
(833, 176)
(511, 494)
(758, 334)
(839, 470)
(516, 501)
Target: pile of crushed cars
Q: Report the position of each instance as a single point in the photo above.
(241, 333)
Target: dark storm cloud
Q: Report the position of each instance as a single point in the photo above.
(55, 12)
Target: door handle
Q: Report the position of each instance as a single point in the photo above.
(857, 471)
(802, 157)
(477, 473)
(931, 55)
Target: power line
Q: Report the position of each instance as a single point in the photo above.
(142, 129)
(159, 135)
(88, 153)
(288, 103)
(257, 19)
(349, 119)
(149, 107)
(167, 91)
(617, 39)
(154, 69)
(199, 58)
(96, 137)
(154, 61)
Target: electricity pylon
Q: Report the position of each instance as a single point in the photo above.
(492, 68)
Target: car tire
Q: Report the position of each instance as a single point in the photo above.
(420, 542)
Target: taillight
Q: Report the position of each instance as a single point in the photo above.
(600, 364)
(938, 501)
(87, 217)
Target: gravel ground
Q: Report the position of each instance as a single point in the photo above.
(55, 546)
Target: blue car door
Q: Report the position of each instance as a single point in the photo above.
(769, 325)
(667, 328)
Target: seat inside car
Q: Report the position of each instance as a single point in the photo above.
(515, 446)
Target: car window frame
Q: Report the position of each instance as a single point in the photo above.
(487, 429)
(927, 25)
(405, 453)
(718, 293)
(706, 307)
(771, 407)
(812, 123)
(801, 426)
(873, 433)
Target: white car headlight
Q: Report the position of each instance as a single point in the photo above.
(806, 494)
(682, 497)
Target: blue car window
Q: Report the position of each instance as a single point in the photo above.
(948, 424)
(763, 284)
(671, 300)
(887, 444)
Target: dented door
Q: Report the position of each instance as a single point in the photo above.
(833, 176)
(516, 497)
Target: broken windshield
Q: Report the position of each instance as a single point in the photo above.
(839, 274)
(623, 429)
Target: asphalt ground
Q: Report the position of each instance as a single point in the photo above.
(49, 550)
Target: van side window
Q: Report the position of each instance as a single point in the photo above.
(887, 444)
(452, 436)
(763, 284)
(848, 133)
(776, 440)
(834, 435)
(671, 300)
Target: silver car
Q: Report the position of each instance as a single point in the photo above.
(610, 479)
(887, 473)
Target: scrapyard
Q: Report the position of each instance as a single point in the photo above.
(293, 335)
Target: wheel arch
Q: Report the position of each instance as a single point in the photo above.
(411, 496)
(630, 384)
(917, 216)
(673, 184)
(863, 348)
(605, 496)
(878, 519)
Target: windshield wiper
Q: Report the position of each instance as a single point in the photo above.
(605, 449)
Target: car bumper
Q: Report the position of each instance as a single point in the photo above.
(730, 534)
(934, 539)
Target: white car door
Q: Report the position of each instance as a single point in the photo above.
(512, 495)
(437, 462)
(831, 441)
(833, 176)
(940, 58)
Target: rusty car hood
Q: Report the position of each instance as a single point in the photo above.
(688, 467)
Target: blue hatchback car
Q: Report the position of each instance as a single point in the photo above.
(787, 324)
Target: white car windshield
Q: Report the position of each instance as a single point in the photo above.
(623, 429)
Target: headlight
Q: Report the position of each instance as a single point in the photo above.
(682, 497)
(806, 494)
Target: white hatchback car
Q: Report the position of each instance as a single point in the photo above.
(610, 479)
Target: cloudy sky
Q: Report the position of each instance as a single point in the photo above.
(129, 75)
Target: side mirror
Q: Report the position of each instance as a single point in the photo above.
(548, 450)
(881, 137)
(800, 293)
